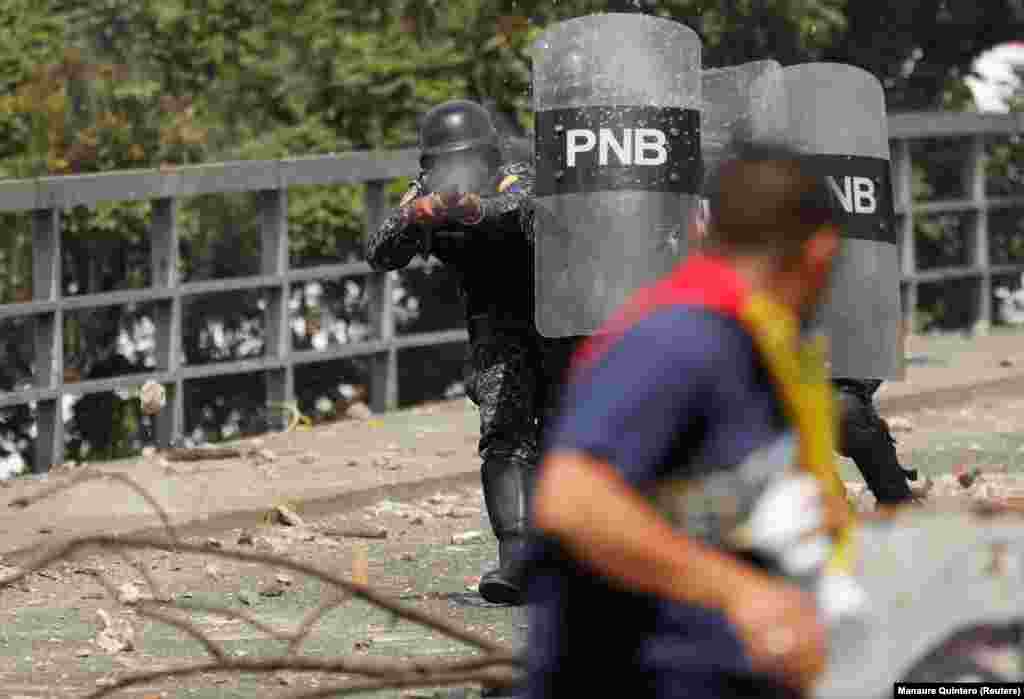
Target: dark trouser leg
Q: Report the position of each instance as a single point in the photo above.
(865, 438)
(557, 358)
(504, 385)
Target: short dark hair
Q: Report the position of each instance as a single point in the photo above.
(763, 200)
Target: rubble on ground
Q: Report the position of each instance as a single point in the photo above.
(986, 485)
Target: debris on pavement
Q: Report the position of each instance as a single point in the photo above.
(202, 454)
(900, 424)
(358, 411)
(282, 514)
(114, 637)
(356, 532)
(471, 537)
(129, 594)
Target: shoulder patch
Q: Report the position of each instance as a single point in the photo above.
(508, 182)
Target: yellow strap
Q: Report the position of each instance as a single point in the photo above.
(800, 373)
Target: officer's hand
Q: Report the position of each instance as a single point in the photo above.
(467, 209)
(429, 209)
(781, 630)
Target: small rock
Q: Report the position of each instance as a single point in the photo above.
(284, 579)
(921, 489)
(984, 491)
(467, 538)
(284, 679)
(1006, 363)
(212, 572)
(900, 424)
(129, 594)
(352, 463)
(148, 452)
(45, 530)
(418, 520)
(967, 478)
(275, 589)
(865, 502)
(358, 411)
(363, 645)
(381, 461)
(445, 453)
(245, 598)
(286, 516)
(408, 557)
(392, 466)
(308, 458)
(463, 512)
(436, 499)
(114, 637)
(212, 543)
(84, 653)
(246, 539)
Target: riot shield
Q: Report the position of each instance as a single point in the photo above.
(741, 102)
(837, 116)
(617, 149)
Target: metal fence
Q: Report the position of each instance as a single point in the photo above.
(45, 198)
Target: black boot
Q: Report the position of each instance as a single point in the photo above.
(506, 486)
(865, 438)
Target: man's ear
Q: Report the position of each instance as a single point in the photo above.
(823, 246)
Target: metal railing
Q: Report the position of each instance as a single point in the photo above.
(46, 197)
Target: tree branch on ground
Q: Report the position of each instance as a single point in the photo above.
(498, 666)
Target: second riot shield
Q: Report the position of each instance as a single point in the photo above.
(740, 102)
(617, 100)
(837, 117)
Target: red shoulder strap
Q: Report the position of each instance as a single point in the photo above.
(701, 280)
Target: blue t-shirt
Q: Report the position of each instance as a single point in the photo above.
(681, 394)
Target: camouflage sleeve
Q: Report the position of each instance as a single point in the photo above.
(511, 209)
(398, 240)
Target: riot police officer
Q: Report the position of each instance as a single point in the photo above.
(476, 215)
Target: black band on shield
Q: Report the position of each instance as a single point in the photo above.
(862, 192)
(596, 149)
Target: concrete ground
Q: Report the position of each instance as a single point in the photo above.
(413, 474)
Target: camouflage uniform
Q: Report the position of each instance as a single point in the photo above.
(514, 375)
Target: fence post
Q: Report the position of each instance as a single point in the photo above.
(272, 205)
(384, 366)
(49, 338)
(904, 186)
(974, 177)
(170, 423)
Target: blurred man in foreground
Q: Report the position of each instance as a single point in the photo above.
(690, 420)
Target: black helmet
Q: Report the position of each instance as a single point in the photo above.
(456, 126)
